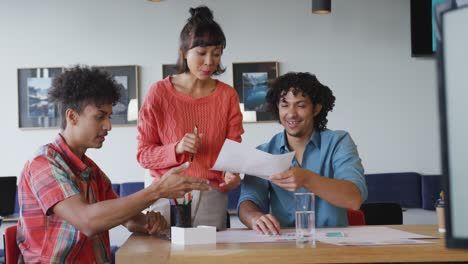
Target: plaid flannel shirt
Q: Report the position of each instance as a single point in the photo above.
(54, 174)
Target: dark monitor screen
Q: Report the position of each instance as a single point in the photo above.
(7, 195)
(453, 102)
(423, 26)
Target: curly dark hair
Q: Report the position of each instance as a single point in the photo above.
(199, 31)
(80, 86)
(309, 86)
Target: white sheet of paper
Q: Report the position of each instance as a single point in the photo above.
(369, 236)
(401, 241)
(237, 157)
(250, 236)
(358, 236)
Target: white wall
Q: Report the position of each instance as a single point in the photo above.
(385, 98)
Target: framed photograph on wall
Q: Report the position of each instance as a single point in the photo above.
(34, 108)
(168, 69)
(251, 81)
(126, 110)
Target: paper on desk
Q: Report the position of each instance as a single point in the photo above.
(353, 236)
(237, 157)
(250, 236)
(401, 241)
(370, 236)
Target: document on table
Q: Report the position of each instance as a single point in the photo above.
(344, 236)
(250, 236)
(368, 236)
(237, 157)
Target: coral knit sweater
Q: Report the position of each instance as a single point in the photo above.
(165, 117)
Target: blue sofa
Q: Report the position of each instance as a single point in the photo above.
(409, 189)
(402, 188)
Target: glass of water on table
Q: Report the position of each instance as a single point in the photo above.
(305, 217)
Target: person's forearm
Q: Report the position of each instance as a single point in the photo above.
(340, 193)
(108, 214)
(248, 211)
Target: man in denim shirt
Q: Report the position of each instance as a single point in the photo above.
(326, 162)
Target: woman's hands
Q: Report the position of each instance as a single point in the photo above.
(189, 143)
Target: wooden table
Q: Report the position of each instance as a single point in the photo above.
(146, 249)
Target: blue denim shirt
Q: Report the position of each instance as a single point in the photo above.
(331, 154)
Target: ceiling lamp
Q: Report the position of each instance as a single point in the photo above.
(321, 6)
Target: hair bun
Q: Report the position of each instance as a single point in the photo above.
(201, 13)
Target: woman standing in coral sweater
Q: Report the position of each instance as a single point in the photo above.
(176, 105)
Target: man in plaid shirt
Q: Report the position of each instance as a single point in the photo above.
(67, 204)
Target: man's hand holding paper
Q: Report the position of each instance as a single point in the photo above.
(292, 179)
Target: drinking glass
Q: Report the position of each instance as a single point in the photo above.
(305, 217)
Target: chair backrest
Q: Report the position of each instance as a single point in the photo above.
(355, 217)
(12, 251)
(382, 213)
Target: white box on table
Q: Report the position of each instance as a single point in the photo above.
(193, 235)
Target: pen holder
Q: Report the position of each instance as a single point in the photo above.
(181, 215)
